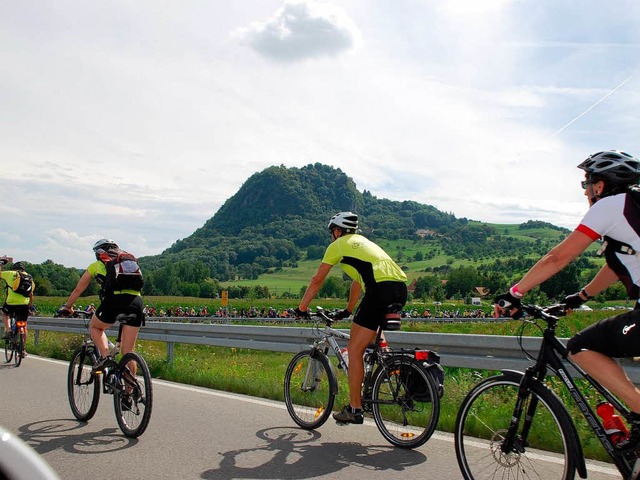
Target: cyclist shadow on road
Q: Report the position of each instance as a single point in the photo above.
(286, 455)
(72, 436)
(7, 365)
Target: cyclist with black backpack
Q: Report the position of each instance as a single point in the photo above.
(20, 287)
(612, 190)
(121, 282)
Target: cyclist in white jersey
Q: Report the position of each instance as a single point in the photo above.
(611, 187)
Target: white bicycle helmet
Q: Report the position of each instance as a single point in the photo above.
(104, 244)
(616, 168)
(347, 221)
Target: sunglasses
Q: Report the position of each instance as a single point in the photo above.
(585, 183)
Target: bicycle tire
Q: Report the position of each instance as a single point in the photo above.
(18, 348)
(310, 405)
(133, 396)
(485, 415)
(404, 419)
(8, 349)
(83, 386)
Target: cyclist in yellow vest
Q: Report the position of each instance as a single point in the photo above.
(126, 301)
(15, 302)
(372, 271)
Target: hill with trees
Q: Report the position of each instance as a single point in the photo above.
(277, 221)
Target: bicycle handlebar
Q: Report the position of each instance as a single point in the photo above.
(550, 312)
(327, 317)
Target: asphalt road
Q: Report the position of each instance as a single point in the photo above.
(206, 434)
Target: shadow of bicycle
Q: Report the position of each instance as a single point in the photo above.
(288, 454)
(7, 365)
(70, 435)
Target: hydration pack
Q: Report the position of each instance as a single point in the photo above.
(123, 272)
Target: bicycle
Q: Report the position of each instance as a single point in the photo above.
(129, 381)
(513, 425)
(399, 387)
(14, 346)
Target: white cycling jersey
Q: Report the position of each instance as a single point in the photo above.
(614, 217)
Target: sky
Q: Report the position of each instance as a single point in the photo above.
(136, 120)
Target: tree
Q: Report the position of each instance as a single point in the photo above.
(333, 287)
(462, 280)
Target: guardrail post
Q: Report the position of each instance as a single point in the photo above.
(170, 354)
(36, 337)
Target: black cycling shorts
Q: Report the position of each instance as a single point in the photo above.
(373, 307)
(21, 311)
(616, 337)
(114, 305)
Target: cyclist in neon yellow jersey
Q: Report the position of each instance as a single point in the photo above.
(112, 303)
(372, 271)
(15, 302)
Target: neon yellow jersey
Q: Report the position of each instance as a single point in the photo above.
(13, 298)
(98, 270)
(364, 261)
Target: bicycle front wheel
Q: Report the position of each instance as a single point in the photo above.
(541, 448)
(310, 389)
(405, 414)
(83, 386)
(18, 348)
(133, 397)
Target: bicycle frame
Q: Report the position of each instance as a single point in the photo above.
(554, 355)
(328, 341)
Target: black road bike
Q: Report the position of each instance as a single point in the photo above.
(400, 388)
(14, 346)
(514, 426)
(128, 380)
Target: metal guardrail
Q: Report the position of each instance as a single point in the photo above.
(483, 352)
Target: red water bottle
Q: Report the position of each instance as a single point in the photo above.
(613, 424)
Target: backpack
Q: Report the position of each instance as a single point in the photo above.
(23, 284)
(123, 272)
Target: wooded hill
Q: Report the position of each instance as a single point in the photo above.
(279, 217)
(276, 224)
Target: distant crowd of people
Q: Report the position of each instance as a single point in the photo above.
(220, 312)
(271, 312)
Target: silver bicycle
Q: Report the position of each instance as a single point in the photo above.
(401, 388)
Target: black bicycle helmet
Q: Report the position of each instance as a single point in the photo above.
(18, 266)
(346, 221)
(617, 169)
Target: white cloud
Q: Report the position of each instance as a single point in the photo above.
(301, 30)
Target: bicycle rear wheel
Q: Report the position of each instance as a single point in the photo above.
(405, 418)
(18, 348)
(483, 420)
(133, 397)
(310, 389)
(8, 349)
(83, 386)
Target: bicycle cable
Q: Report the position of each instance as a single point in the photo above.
(520, 334)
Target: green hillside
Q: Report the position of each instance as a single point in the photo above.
(269, 237)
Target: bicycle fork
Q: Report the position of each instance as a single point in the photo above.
(311, 378)
(513, 441)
